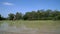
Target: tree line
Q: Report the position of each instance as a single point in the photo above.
(34, 15)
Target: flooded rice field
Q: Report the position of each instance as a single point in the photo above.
(5, 28)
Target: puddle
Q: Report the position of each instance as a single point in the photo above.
(23, 29)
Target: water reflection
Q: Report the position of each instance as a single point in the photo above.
(3, 26)
(22, 28)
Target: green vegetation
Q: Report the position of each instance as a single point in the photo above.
(34, 15)
(2, 18)
(34, 24)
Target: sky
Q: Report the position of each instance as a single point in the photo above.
(23, 6)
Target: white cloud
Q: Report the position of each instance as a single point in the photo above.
(7, 3)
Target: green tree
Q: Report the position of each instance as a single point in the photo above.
(18, 16)
(11, 16)
(0, 17)
(56, 17)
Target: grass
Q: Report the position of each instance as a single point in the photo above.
(34, 24)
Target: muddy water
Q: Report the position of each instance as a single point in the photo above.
(6, 29)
